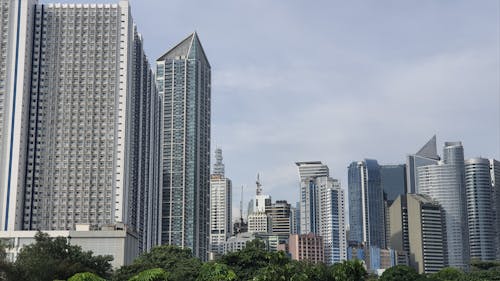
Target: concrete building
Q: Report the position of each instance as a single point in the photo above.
(280, 214)
(259, 222)
(417, 228)
(306, 247)
(366, 204)
(427, 155)
(495, 182)
(376, 260)
(238, 242)
(322, 209)
(445, 183)
(183, 77)
(480, 203)
(119, 242)
(220, 206)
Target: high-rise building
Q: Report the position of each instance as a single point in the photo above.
(322, 209)
(427, 155)
(445, 183)
(366, 204)
(262, 201)
(280, 214)
(295, 218)
(481, 219)
(183, 77)
(90, 120)
(417, 228)
(495, 182)
(220, 206)
(259, 222)
(16, 45)
(393, 181)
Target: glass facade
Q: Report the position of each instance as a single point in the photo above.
(184, 83)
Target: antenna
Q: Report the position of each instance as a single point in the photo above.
(241, 205)
(259, 185)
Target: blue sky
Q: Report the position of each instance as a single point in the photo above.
(337, 81)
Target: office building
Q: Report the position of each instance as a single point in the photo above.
(481, 219)
(306, 247)
(183, 78)
(259, 222)
(238, 242)
(417, 227)
(375, 259)
(393, 181)
(495, 182)
(322, 209)
(295, 219)
(220, 206)
(366, 204)
(262, 201)
(445, 183)
(280, 215)
(427, 155)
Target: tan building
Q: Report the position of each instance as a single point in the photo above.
(306, 247)
(417, 227)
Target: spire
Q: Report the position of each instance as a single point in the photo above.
(259, 185)
(429, 150)
(189, 47)
(218, 166)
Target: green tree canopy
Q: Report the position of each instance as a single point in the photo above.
(178, 262)
(85, 276)
(212, 271)
(448, 274)
(400, 273)
(54, 258)
(349, 271)
(154, 274)
(247, 261)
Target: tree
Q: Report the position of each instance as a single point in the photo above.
(349, 271)
(54, 258)
(85, 276)
(212, 271)
(178, 262)
(448, 274)
(248, 261)
(400, 273)
(154, 274)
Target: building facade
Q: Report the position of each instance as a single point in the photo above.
(306, 247)
(281, 218)
(183, 78)
(259, 222)
(427, 155)
(445, 183)
(495, 182)
(366, 204)
(480, 203)
(220, 206)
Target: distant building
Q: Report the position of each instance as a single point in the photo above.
(480, 203)
(280, 214)
(417, 228)
(220, 206)
(495, 182)
(240, 226)
(366, 204)
(322, 209)
(427, 155)
(237, 242)
(393, 181)
(376, 260)
(445, 183)
(259, 222)
(294, 219)
(306, 247)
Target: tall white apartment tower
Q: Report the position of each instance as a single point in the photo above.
(16, 25)
(322, 209)
(220, 206)
(84, 149)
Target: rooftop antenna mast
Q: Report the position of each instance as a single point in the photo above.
(241, 205)
(259, 185)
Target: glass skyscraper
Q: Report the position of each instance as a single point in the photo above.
(183, 78)
(427, 155)
(366, 204)
(445, 183)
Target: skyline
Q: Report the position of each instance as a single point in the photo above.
(363, 60)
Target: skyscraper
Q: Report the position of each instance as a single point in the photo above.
(16, 37)
(495, 182)
(417, 227)
(427, 155)
(281, 218)
(366, 204)
(183, 77)
(393, 181)
(78, 117)
(445, 183)
(322, 209)
(220, 206)
(481, 219)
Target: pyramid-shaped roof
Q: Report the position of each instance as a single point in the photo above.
(429, 150)
(183, 49)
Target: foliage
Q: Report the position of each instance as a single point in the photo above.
(211, 271)
(247, 261)
(448, 274)
(400, 273)
(54, 258)
(154, 274)
(178, 262)
(349, 271)
(85, 276)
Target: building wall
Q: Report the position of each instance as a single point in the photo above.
(306, 247)
(220, 212)
(495, 180)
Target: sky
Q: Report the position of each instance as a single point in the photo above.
(337, 81)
